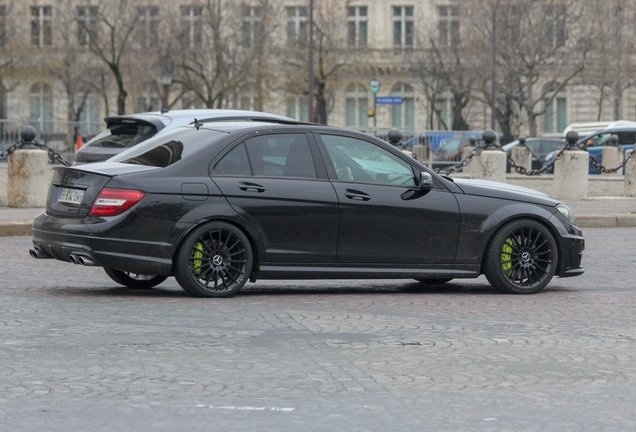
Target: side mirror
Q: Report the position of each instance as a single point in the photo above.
(425, 181)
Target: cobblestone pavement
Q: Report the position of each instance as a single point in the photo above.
(77, 352)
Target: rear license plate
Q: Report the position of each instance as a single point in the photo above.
(71, 196)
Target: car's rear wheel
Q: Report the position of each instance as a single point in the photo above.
(215, 260)
(521, 258)
(132, 280)
(434, 281)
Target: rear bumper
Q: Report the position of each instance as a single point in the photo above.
(99, 242)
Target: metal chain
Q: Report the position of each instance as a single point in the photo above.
(523, 171)
(476, 151)
(600, 168)
(53, 155)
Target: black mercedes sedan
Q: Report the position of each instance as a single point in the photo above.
(218, 204)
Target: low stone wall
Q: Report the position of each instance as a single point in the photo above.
(598, 185)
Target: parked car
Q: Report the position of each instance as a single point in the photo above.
(540, 148)
(126, 131)
(597, 141)
(450, 151)
(224, 203)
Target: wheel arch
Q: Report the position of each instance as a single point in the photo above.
(492, 225)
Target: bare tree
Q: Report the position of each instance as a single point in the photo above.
(541, 46)
(107, 29)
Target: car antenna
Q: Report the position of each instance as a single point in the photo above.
(197, 124)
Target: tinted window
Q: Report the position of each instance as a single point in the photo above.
(123, 135)
(234, 163)
(358, 160)
(168, 148)
(281, 155)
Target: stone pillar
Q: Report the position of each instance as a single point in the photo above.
(490, 164)
(466, 151)
(630, 175)
(613, 157)
(571, 171)
(522, 155)
(27, 183)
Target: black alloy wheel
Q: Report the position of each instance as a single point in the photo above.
(215, 260)
(132, 280)
(521, 258)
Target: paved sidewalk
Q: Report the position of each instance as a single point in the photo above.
(594, 212)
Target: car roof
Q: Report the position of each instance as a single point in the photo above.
(161, 119)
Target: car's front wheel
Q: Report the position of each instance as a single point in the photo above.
(214, 260)
(521, 258)
(132, 280)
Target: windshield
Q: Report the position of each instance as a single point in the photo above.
(123, 135)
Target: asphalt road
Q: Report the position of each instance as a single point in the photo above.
(79, 353)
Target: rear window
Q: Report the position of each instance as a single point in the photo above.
(168, 148)
(123, 135)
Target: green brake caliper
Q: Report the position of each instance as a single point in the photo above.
(196, 254)
(506, 263)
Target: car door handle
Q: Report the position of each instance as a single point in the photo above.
(251, 187)
(356, 195)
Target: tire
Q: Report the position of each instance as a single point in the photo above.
(134, 281)
(521, 258)
(214, 260)
(434, 281)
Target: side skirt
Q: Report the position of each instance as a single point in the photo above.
(317, 272)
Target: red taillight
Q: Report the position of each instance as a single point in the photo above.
(112, 202)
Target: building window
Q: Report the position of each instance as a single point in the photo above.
(147, 27)
(357, 103)
(556, 114)
(298, 108)
(404, 113)
(297, 19)
(444, 112)
(403, 27)
(448, 26)
(41, 107)
(192, 26)
(190, 100)
(41, 26)
(3, 25)
(86, 21)
(554, 25)
(90, 122)
(357, 26)
(249, 99)
(252, 26)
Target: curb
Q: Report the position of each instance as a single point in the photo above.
(16, 228)
(606, 221)
(25, 228)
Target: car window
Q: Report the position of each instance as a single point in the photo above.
(123, 135)
(358, 160)
(625, 138)
(598, 140)
(234, 163)
(281, 155)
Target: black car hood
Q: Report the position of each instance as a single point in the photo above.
(503, 190)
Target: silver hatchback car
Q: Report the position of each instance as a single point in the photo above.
(123, 132)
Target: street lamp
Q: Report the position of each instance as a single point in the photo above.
(166, 80)
(310, 98)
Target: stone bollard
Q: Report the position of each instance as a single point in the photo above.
(27, 166)
(630, 175)
(613, 155)
(571, 171)
(490, 164)
(522, 155)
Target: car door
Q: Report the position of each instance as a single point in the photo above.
(272, 180)
(381, 221)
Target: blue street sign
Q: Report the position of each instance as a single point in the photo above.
(389, 100)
